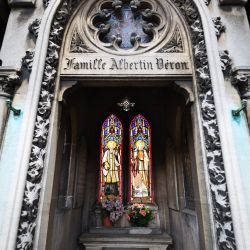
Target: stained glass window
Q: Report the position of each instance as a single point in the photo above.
(111, 162)
(140, 160)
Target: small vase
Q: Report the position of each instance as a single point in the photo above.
(106, 222)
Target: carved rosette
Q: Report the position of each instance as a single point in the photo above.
(34, 27)
(218, 26)
(218, 186)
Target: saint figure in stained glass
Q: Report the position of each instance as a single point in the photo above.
(111, 141)
(140, 160)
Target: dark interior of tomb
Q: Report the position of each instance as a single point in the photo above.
(77, 170)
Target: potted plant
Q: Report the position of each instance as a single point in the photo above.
(112, 210)
(139, 215)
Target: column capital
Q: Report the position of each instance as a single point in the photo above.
(9, 79)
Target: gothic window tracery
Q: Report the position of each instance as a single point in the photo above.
(140, 160)
(127, 26)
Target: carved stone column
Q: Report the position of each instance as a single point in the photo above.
(9, 79)
(241, 80)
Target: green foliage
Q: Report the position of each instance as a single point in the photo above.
(139, 215)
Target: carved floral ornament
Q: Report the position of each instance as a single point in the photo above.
(216, 173)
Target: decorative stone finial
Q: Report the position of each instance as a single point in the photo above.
(226, 62)
(34, 27)
(207, 2)
(126, 104)
(242, 83)
(9, 79)
(27, 60)
(218, 26)
(46, 3)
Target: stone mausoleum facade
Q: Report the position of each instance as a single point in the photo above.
(124, 124)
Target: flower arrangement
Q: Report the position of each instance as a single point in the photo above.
(112, 207)
(139, 215)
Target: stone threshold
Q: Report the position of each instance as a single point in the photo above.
(109, 241)
(125, 230)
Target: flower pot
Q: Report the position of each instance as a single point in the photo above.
(106, 222)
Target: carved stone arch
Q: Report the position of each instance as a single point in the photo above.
(171, 26)
(221, 206)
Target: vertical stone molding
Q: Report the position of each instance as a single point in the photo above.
(241, 80)
(9, 80)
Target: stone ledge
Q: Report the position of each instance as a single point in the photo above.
(233, 2)
(111, 241)
(125, 230)
(22, 3)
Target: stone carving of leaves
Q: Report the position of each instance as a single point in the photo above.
(78, 46)
(31, 193)
(175, 45)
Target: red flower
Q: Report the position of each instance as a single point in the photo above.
(128, 216)
(143, 213)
